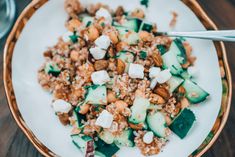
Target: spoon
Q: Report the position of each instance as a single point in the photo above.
(220, 35)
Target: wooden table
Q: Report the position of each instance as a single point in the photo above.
(13, 143)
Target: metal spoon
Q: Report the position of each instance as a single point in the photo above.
(221, 35)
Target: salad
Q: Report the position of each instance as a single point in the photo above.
(117, 83)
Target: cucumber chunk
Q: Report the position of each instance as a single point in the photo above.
(186, 75)
(79, 117)
(146, 26)
(130, 38)
(126, 56)
(194, 93)
(122, 30)
(96, 95)
(174, 83)
(106, 136)
(132, 24)
(157, 123)
(162, 49)
(171, 62)
(182, 123)
(107, 150)
(80, 141)
(52, 68)
(138, 110)
(178, 48)
(125, 139)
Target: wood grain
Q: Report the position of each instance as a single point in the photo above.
(13, 142)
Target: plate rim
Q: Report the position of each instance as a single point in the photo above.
(193, 5)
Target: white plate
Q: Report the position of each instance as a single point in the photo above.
(47, 24)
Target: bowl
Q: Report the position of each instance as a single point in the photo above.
(42, 22)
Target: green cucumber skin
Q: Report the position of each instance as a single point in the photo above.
(182, 52)
(139, 110)
(171, 62)
(125, 139)
(174, 83)
(183, 123)
(108, 150)
(193, 89)
(157, 124)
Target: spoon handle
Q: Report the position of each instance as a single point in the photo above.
(223, 35)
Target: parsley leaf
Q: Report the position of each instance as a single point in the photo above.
(143, 55)
(74, 38)
(144, 3)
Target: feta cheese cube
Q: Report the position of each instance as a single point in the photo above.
(97, 53)
(100, 77)
(61, 106)
(102, 12)
(136, 71)
(148, 137)
(105, 119)
(163, 76)
(66, 37)
(154, 71)
(103, 42)
(153, 83)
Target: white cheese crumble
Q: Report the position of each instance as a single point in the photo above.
(163, 76)
(102, 12)
(66, 37)
(61, 106)
(148, 137)
(154, 71)
(105, 119)
(100, 77)
(136, 71)
(97, 53)
(103, 42)
(153, 83)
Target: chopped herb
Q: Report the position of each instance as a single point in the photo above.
(52, 68)
(102, 24)
(74, 38)
(88, 23)
(144, 3)
(117, 95)
(143, 55)
(162, 49)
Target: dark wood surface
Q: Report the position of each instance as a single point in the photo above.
(13, 143)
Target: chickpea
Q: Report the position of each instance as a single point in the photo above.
(145, 36)
(73, 24)
(121, 45)
(84, 108)
(92, 33)
(113, 36)
(74, 55)
(120, 105)
(111, 97)
(139, 13)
